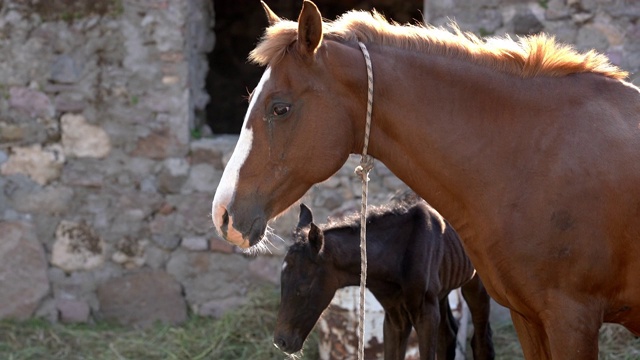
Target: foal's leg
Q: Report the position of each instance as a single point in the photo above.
(479, 304)
(425, 317)
(446, 332)
(396, 331)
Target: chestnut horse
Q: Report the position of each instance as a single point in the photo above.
(416, 259)
(529, 149)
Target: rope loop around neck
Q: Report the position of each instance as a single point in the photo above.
(366, 164)
(367, 128)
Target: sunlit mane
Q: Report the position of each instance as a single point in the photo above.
(537, 55)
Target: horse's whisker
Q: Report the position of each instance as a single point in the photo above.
(269, 232)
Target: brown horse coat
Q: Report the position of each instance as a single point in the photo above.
(530, 149)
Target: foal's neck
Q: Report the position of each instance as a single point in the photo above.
(383, 257)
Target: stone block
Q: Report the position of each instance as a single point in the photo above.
(72, 311)
(195, 208)
(195, 243)
(165, 230)
(65, 70)
(166, 241)
(141, 299)
(173, 175)
(73, 103)
(208, 277)
(156, 257)
(77, 247)
(27, 198)
(40, 164)
(160, 144)
(217, 244)
(591, 37)
(266, 268)
(81, 139)
(130, 252)
(23, 270)
(217, 308)
(203, 178)
(213, 151)
(31, 102)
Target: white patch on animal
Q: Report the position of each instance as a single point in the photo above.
(284, 265)
(228, 182)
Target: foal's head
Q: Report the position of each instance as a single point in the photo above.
(308, 282)
(298, 129)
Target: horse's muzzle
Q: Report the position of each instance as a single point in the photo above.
(233, 233)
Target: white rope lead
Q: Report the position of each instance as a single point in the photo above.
(366, 164)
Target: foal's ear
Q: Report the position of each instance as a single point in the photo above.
(316, 239)
(309, 28)
(271, 16)
(306, 217)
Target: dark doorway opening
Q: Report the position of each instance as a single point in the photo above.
(238, 27)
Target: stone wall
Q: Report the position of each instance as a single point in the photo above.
(608, 26)
(105, 187)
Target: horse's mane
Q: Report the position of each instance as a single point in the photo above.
(530, 56)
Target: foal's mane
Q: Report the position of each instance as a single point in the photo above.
(530, 56)
(375, 215)
(351, 221)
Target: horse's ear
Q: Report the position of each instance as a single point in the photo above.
(306, 217)
(316, 239)
(309, 28)
(271, 16)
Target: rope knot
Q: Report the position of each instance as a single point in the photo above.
(366, 164)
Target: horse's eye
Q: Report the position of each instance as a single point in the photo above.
(280, 109)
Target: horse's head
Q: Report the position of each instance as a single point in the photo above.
(298, 129)
(307, 285)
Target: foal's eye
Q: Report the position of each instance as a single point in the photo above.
(280, 109)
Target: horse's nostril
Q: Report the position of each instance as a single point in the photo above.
(225, 222)
(225, 218)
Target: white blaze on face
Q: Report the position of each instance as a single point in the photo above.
(227, 187)
(284, 265)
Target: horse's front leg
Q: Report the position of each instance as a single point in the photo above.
(532, 337)
(396, 331)
(425, 317)
(572, 327)
(564, 330)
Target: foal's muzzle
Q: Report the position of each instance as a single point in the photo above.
(288, 346)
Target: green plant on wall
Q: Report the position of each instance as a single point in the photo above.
(484, 32)
(134, 100)
(4, 91)
(196, 133)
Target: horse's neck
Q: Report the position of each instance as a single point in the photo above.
(431, 124)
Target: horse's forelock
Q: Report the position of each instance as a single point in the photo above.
(274, 43)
